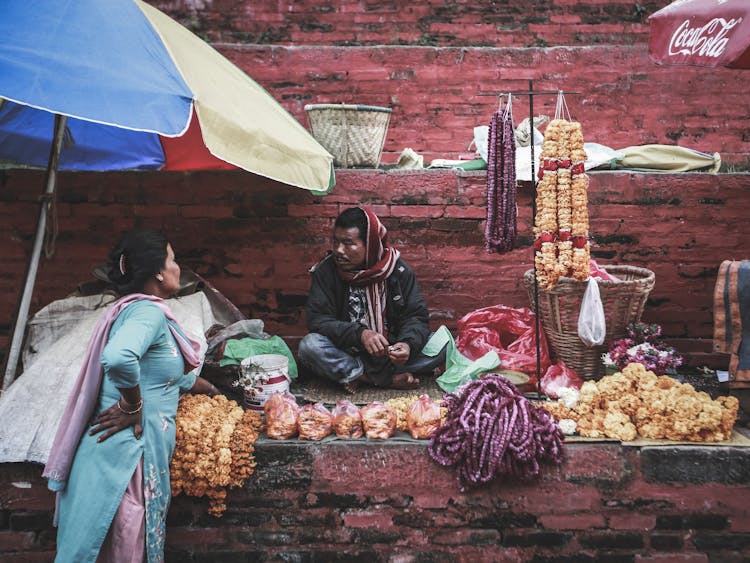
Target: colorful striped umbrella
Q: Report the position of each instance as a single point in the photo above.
(140, 92)
(116, 84)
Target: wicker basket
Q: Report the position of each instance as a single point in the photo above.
(353, 134)
(623, 303)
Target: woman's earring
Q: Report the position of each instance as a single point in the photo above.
(159, 278)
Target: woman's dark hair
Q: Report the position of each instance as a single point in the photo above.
(353, 217)
(140, 255)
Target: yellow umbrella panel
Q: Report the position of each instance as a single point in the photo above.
(240, 122)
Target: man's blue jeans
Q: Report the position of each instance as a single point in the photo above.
(321, 356)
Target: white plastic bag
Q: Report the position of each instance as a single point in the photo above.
(592, 327)
(481, 133)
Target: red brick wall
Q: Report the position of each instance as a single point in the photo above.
(438, 95)
(432, 61)
(472, 23)
(254, 239)
(309, 502)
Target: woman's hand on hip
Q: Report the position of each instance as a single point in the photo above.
(114, 419)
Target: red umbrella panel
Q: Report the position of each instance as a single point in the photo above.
(709, 33)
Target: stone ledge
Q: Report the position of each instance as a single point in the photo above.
(694, 464)
(388, 500)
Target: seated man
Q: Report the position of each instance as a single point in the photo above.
(367, 319)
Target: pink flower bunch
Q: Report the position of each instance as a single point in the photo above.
(643, 345)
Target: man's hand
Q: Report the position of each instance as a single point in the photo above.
(399, 353)
(374, 343)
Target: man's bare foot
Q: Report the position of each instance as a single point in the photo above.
(404, 381)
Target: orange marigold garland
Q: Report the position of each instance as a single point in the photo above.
(562, 222)
(214, 448)
(579, 205)
(546, 226)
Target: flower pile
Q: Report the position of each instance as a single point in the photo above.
(643, 345)
(214, 448)
(562, 219)
(637, 402)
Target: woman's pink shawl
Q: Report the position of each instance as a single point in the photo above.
(85, 392)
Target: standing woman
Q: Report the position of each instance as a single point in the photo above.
(109, 461)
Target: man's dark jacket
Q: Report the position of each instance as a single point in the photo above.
(406, 311)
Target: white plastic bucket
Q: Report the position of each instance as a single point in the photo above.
(267, 374)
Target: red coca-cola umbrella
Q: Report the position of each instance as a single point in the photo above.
(710, 33)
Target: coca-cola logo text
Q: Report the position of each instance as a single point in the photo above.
(709, 40)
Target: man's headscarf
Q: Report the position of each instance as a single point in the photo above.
(380, 260)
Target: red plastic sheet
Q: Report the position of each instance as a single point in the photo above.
(509, 332)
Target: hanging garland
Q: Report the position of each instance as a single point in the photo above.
(214, 448)
(501, 228)
(561, 227)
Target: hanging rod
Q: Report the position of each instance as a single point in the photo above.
(529, 92)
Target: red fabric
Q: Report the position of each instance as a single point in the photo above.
(380, 259)
(601, 273)
(189, 152)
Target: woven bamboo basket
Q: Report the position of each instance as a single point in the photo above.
(353, 134)
(623, 303)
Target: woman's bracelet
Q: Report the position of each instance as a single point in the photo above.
(137, 408)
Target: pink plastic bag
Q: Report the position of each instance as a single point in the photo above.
(378, 420)
(423, 418)
(557, 377)
(509, 332)
(314, 422)
(347, 421)
(281, 412)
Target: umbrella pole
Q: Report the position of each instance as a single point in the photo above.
(23, 308)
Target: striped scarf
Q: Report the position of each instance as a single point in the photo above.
(380, 260)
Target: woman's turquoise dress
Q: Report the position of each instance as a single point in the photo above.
(140, 351)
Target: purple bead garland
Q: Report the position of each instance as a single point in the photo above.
(493, 432)
(501, 228)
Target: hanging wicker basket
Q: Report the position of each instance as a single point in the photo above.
(623, 303)
(353, 134)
